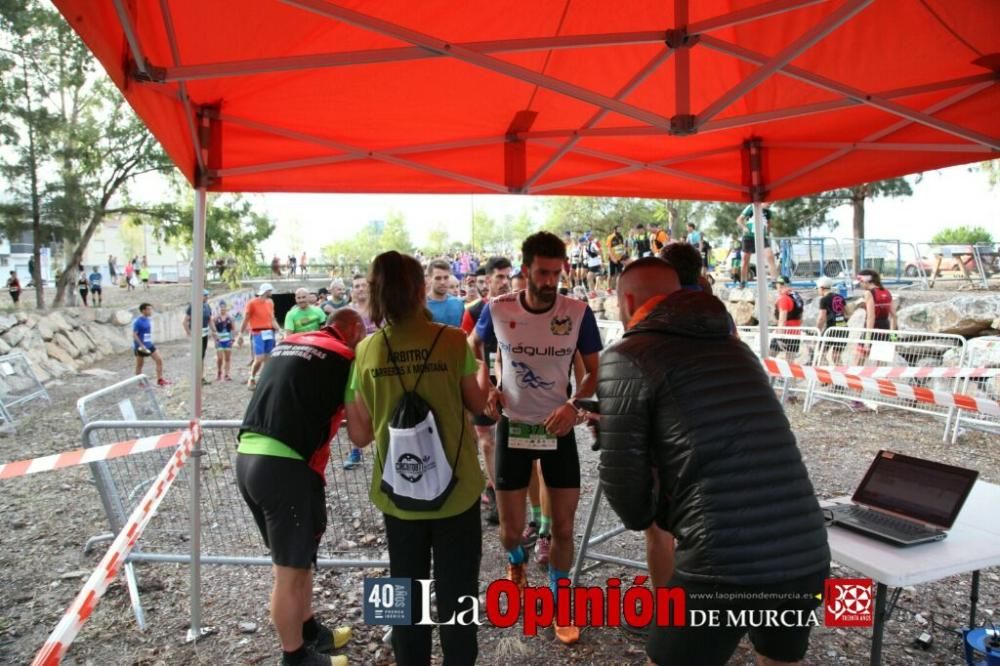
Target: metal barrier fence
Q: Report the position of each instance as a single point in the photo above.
(797, 344)
(806, 259)
(18, 384)
(897, 262)
(355, 530)
(132, 399)
(980, 352)
(881, 348)
(974, 264)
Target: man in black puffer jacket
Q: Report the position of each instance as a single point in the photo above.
(680, 396)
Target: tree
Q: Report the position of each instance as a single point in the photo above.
(77, 144)
(437, 241)
(963, 235)
(394, 234)
(857, 195)
(485, 234)
(233, 229)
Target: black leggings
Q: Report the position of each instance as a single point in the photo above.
(457, 545)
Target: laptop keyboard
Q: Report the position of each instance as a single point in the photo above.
(887, 524)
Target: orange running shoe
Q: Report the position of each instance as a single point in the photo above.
(516, 573)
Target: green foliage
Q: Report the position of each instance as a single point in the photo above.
(73, 143)
(233, 229)
(373, 238)
(963, 235)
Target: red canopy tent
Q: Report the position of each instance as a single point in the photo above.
(739, 100)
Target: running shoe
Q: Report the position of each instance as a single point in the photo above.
(205, 382)
(542, 549)
(218, 377)
(488, 501)
(328, 640)
(252, 383)
(530, 535)
(516, 573)
(353, 459)
(163, 382)
(228, 378)
(567, 635)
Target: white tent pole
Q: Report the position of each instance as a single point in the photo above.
(757, 191)
(194, 467)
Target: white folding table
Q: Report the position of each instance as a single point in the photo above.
(972, 544)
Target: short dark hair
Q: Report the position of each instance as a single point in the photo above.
(542, 244)
(143, 306)
(481, 271)
(497, 264)
(438, 264)
(685, 259)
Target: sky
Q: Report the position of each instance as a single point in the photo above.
(944, 198)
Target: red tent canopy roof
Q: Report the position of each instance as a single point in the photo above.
(584, 97)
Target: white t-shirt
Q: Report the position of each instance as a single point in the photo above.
(536, 351)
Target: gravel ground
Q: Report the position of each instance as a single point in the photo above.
(46, 519)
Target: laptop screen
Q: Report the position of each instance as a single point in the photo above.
(927, 491)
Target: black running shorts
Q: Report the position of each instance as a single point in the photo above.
(288, 503)
(750, 244)
(696, 646)
(560, 468)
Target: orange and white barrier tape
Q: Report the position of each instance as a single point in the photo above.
(886, 387)
(83, 456)
(884, 372)
(83, 605)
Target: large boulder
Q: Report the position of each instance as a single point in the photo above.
(7, 322)
(4, 347)
(45, 329)
(14, 335)
(102, 315)
(64, 341)
(59, 355)
(58, 322)
(121, 318)
(101, 343)
(744, 314)
(932, 317)
(977, 306)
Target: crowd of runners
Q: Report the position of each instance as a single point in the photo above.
(468, 388)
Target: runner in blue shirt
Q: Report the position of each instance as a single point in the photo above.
(95, 287)
(142, 343)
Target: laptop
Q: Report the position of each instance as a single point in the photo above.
(905, 500)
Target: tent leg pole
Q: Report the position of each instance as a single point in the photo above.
(194, 466)
(763, 265)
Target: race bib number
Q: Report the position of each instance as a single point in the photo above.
(147, 338)
(267, 335)
(530, 437)
(224, 336)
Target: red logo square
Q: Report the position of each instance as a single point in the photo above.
(849, 602)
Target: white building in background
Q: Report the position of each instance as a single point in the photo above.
(15, 255)
(124, 241)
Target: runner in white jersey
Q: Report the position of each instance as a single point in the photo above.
(537, 333)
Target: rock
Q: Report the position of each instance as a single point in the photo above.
(248, 627)
(45, 329)
(744, 314)
(121, 318)
(4, 347)
(928, 317)
(102, 316)
(969, 328)
(32, 340)
(60, 355)
(857, 319)
(82, 341)
(41, 374)
(21, 316)
(57, 369)
(7, 322)
(58, 322)
(87, 315)
(14, 335)
(101, 343)
(99, 372)
(63, 340)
